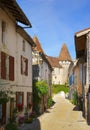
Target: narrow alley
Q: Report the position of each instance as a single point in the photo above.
(62, 116)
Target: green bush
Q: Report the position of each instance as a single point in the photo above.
(56, 88)
(11, 126)
(75, 98)
(40, 88)
(49, 102)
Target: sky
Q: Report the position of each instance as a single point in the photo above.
(55, 22)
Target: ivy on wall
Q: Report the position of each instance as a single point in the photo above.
(40, 88)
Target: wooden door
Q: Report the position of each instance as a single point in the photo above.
(3, 113)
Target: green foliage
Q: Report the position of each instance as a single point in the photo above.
(11, 126)
(40, 88)
(5, 95)
(56, 88)
(75, 98)
(50, 102)
(14, 116)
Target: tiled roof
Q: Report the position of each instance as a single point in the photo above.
(64, 54)
(38, 45)
(54, 61)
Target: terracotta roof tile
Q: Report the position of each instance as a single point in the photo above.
(64, 54)
(54, 61)
(38, 45)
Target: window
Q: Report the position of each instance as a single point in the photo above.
(19, 100)
(24, 66)
(23, 48)
(3, 31)
(7, 66)
(29, 100)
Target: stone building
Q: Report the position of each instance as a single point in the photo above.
(82, 45)
(56, 69)
(15, 59)
(42, 70)
(65, 61)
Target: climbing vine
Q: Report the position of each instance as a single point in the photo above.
(40, 88)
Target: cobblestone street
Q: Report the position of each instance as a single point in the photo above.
(61, 116)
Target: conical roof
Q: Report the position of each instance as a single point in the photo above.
(64, 54)
(38, 45)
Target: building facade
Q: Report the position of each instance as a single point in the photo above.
(65, 61)
(15, 59)
(42, 70)
(57, 68)
(82, 44)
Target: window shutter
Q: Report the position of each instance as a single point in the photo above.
(3, 65)
(29, 99)
(26, 67)
(3, 31)
(21, 65)
(11, 68)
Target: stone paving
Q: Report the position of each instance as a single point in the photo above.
(61, 116)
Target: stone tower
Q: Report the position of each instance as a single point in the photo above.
(65, 61)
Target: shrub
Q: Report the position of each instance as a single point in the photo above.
(11, 126)
(56, 88)
(75, 98)
(49, 102)
(40, 88)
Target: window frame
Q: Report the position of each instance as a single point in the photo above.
(19, 106)
(24, 61)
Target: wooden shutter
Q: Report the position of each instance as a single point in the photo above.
(26, 73)
(29, 98)
(11, 68)
(21, 65)
(3, 65)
